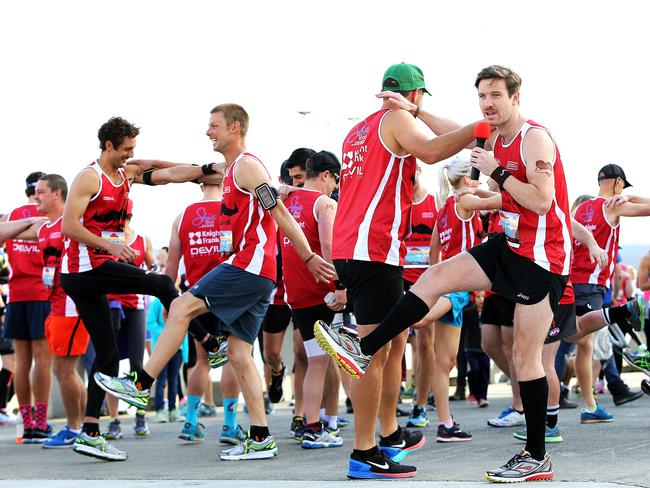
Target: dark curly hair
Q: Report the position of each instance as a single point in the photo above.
(116, 130)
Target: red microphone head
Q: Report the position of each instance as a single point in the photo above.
(482, 130)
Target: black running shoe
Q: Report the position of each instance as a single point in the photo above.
(275, 388)
(377, 466)
(35, 436)
(297, 429)
(406, 443)
(452, 434)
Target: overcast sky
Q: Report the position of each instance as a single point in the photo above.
(69, 66)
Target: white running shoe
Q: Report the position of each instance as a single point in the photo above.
(508, 418)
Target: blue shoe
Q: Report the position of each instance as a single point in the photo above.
(343, 422)
(192, 433)
(550, 435)
(598, 415)
(418, 418)
(64, 438)
(232, 436)
(378, 466)
(206, 410)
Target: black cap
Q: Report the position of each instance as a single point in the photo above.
(611, 171)
(30, 182)
(285, 177)
(323, 161)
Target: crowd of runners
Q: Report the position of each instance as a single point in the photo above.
(358, 257)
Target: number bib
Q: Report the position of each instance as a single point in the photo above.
(48, 276)
(510, 224)
(225, 242)
(114, 236)
(416, 257)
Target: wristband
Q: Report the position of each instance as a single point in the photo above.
(338, 284)
(500, 175)
(310, 257)
(207, 169)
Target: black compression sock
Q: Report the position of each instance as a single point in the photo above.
(211, 344)
(259, 433)
(409, 310)
(534, 397)
(142, 380)
(617, 314)
(551, 415)
(91, 429)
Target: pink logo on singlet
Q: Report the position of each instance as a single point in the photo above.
(359, 134)
(203, 218)
(588, 214)
(295, 207)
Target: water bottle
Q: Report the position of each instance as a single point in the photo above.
(19, 429)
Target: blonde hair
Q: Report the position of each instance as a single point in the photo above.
(450, 175)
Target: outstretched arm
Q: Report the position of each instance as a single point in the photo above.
(25, 229)
(249, 175)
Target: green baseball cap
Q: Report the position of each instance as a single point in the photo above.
(404, 77)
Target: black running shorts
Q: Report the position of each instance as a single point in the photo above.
(277, 319)
(498, 311)
(373, 288)
(304, 318)
(516, 277)
(564, 323)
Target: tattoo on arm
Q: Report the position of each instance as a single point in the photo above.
(330, 206)
(544, 167)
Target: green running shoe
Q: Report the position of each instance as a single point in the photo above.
(97, 447)
(637, 308)
(250, 449)
(124, 388)
(640, 362)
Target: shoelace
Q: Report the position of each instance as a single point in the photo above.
(515, 460)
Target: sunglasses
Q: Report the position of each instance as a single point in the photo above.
(336, 176)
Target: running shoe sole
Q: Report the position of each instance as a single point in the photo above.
(361, 471)
(336, 352)
(318, 445)
(452, 439)
(638, 368)
(547, 439)
(250, 456)
(415, 424)
(533, 477)
(127, 398)
(596, 421)
(92, 452)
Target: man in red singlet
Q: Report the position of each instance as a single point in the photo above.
(528, 263)
(372, 223)
(96, 255)
(65, 333)
(238, 290)
(27, 308)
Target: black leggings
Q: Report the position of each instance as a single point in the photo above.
(130, 331)
(88, 290)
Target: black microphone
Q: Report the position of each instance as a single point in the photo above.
(482, 132)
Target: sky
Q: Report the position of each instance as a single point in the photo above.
(305, 72)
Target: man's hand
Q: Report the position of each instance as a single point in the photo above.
(321, 269)
(464, 191)
(397, 102)
(616, 201)
(599, 255)
(340, 300)
(483, 160)
(285, 190)
(122, 252)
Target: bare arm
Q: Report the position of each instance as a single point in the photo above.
(25, 229)
(83, 188)
(400, 131)
(626, 206)
(471, 202)
(149, 258)
(249, 174)
(582, 235)
(436, 246)
(643, 276)
(538, 152)
(175, 251)
(326, 212)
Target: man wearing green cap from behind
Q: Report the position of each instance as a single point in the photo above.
(372, 222)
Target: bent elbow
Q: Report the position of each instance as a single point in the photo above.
(66, 228)
(543, 208)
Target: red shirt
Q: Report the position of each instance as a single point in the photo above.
(423, 219)
(50, 242)
(375, 197)
(198, 230)
(279, 295)
(457, 235)
(246, 231)
(301, 290)
(591, 214)
(134, 301)
(25, 262)
(544, 239)
(105, 217)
